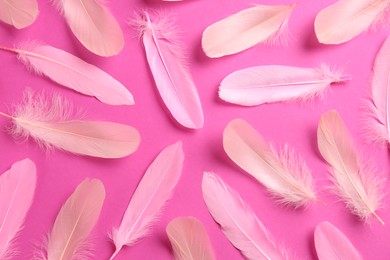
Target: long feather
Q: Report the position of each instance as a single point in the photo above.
(167, 63)
(189, 239)
(48, 120)
(75, 221)
(93, 25)
(285, 175)
(20, 13)
(155, 188)
(346, 19)
(358, 185)
(238, 221)
(72, 72)
(267, 84)
(245, 29)
(331, 243)
(17, 187)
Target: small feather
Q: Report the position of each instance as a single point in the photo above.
(19, 13)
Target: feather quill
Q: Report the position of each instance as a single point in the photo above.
(17, 187)
(245, 29)
(238, 221)
(268, 84)
(20, 13)
(48, 120)
(73, 72)
(189, 239)
(93, 25)
(285, 175)
(331, 243)
(346, 19)
(357, 184)
(167, 63)
(155, 188)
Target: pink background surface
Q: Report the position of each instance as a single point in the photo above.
(59, 173)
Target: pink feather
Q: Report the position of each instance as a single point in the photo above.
(346, 19)
(167, 63)
(155, 188)
(19, 13)
(17, 187)
(189, 239)
(267, 84)
(331, 243)
(238, 221)
(245, 29)
(285, 175)
(93, 25)
(357, 184)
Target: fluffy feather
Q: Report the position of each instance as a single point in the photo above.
(17, 187)
(245, 29)
(346, 19)
(93, 25)
(167, 63)
(267, 84)
(19, 13)
(285, 174)
(356, 183)
(72, 72)
(48, 120)
(331, 243)
(155, 188)
(189, 239)
(238, 221)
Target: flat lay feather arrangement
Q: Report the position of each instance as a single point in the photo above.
(194, 130)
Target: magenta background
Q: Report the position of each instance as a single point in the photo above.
(59, 173)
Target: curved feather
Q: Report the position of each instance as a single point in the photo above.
(238, 221)
(331, 243)
(20, 13)
(358, 185)
(93, 25)
(17, 187)
(346, 19)
(285, 175)
(189, 239)
(267, 84)
(155, 188)
(245, 29)
(167, 63)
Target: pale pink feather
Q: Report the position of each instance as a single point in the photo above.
(93, 25)
(267, 84)
(168, 65)
(285, 175)
(357, 184)
(189, 239)
(17, 187)
(346, 19)
(19, 13)
(331, 243)
(155, 188)
(238, 221)
(245, 29)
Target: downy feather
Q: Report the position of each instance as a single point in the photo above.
(189, 239)
(93, 25)
(356, 183)
(49, 120)
(245, 29)
(267, 84)
(155, 188)
(18, 13)
(168, 66)
(238, 221)
(285, 175)
(17, 187)
(346, 19)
